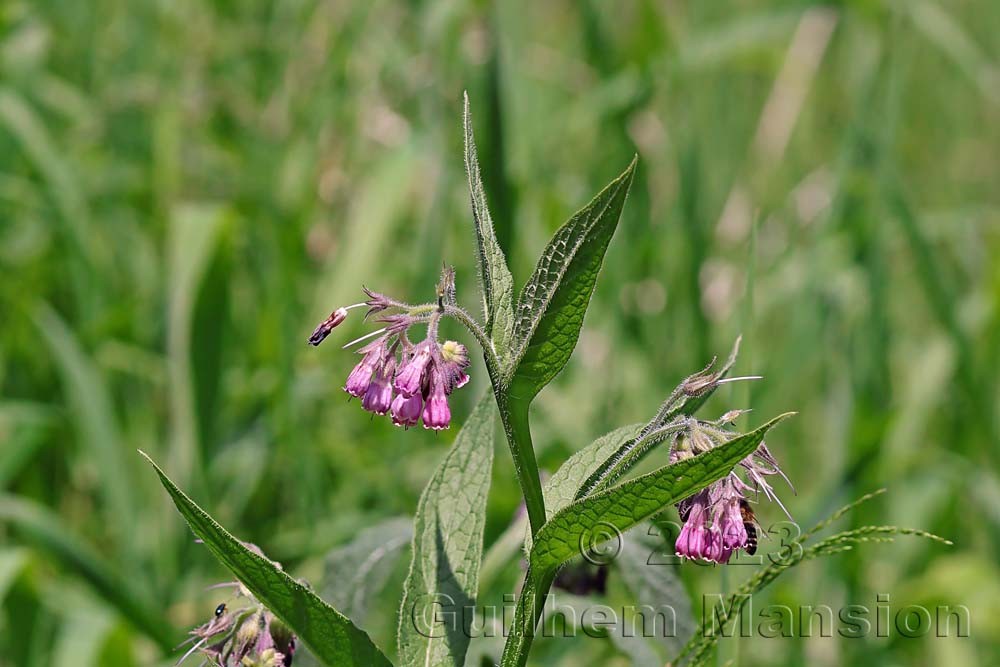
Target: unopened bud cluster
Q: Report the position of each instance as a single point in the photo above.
(242, 633)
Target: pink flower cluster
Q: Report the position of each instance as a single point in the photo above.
(714, 525)
(718, 520)
(414, 388)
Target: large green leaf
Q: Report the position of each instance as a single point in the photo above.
(447, 548)
(497, 284)
(623, 506)
(553, 303)
(331, 636)
(560, 489)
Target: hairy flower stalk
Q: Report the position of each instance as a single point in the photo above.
(719, 520)
(411, 382)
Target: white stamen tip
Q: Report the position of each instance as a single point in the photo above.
(365, 337)
(191, 650)
(744, 377)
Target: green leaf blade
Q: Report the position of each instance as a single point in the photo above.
(497, 283)
(560, 489)
(623, 506)
(331, 636)
(553, 303)
(447, 548)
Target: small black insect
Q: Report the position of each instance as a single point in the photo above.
(750, 523)
(684, 509)
(220, 610)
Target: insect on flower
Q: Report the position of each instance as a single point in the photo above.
(719, 519)
(750, 525)
(246, 636)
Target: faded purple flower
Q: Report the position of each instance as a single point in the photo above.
(454, 359)
(243, 633)
(376, 302)
(326, 326)
(718, 520)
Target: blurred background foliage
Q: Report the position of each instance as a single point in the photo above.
(187, 188)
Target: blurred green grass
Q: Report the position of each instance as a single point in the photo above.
(186, 189)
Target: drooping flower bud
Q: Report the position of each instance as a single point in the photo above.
(691, 541)
(731, 525)
(327, 325)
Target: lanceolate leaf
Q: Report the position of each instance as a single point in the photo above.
(560, 490)
(331, 636)
(497, 284)
(635, 500)
(434, 624)
(552, 304)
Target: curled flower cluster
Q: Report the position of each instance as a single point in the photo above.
(243, 633)
(413, 388)
(719, 520)
(411, 382)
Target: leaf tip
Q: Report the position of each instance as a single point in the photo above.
(630, 170)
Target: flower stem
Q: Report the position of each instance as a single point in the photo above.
(492, 361)
(518, 432)
(528, 611)
(514, 415)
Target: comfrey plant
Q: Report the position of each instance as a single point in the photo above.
(713, 474)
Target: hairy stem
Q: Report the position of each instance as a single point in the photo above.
(529, 609)
(514, 415)
(515, 425)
